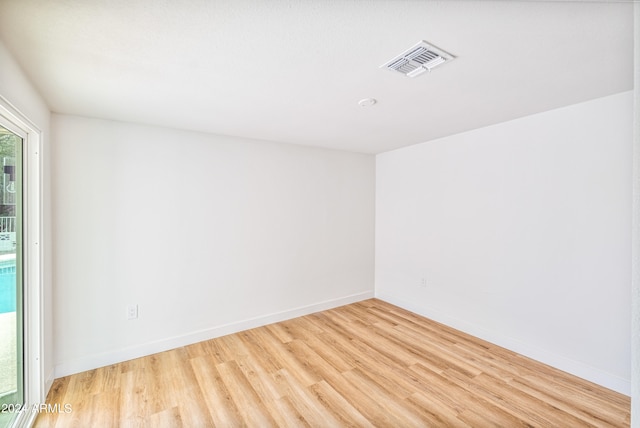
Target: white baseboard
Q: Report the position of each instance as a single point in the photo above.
(565, 364)
(48, 382)
(117, 356)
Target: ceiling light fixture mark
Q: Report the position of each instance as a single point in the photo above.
(367, 102)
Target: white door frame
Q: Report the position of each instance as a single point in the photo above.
(635, 241)
(34, 388)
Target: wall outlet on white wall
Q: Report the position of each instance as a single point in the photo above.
(423, 282)
(132, 312)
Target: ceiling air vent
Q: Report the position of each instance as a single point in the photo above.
(420, 58)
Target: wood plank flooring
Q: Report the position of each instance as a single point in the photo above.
(365, 364)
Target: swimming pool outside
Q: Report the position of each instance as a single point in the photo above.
(7, 283)
(8, 332)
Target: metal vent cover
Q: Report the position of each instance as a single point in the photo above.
(418, 59)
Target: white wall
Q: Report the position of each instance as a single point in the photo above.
(523, 233)
(207, 234)
(635, 252)
(18, 91)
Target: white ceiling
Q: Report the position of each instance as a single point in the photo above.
(294, 70)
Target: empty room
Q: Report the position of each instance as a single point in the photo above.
(319, 213)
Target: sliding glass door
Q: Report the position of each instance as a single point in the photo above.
(12, 396)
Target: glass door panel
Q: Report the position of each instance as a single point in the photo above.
(11, 284)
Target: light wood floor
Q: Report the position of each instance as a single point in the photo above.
(365, 364)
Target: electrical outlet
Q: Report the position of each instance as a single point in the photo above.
(423, 282)
(132, 312)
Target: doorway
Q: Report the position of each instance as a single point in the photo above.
(21, 281)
